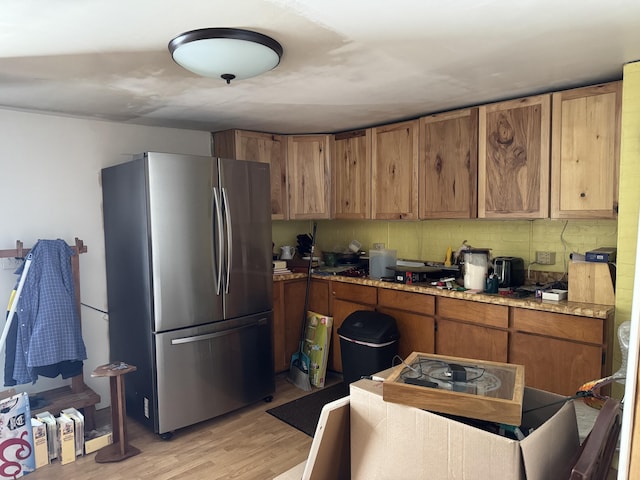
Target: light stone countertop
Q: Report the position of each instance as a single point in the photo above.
(562, 306)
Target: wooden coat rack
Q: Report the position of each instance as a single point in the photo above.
(78, 394)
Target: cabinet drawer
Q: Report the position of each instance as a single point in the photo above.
(474, 312)
(355, 293)
(411, 302)
(567, 327)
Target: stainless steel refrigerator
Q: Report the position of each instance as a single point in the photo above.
(189, 285)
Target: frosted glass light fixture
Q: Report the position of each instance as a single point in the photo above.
(227, 53)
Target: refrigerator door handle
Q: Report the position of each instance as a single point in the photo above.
(217, 259)
(209, 336)
(229, 229)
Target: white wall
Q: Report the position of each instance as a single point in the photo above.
(50, 188)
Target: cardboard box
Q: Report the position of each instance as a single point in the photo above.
(78, 428)
(394, 441)
(40, 448)
(16, 436)
(554, 294)
(317, 337)
(98, 438)
(66, 440)
(52, 433)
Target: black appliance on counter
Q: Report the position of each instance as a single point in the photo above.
(510, 271)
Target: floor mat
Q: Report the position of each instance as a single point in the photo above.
(304, 413)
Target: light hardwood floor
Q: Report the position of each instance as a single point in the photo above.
(248, 444)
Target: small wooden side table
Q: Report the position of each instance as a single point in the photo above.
(120, 448)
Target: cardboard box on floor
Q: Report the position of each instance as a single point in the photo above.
(394, 441)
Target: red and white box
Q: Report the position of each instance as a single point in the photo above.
(17, 457)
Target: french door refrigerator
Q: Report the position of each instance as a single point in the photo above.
(189, 284)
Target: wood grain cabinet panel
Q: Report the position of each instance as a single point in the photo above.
(465, 340)
(471, 329)
(569, 327)
(259, 147)
(355, 293)
(412, 302)
(555, 365)
(513, 158)
(394, 192)
(473, 312)
(448, 165)
(560, 352)
(309, 176)
(351, 175)
(585, 155)
(413, 313)
(280, 361)
(288, 314)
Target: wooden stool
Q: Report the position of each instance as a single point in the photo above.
(120, 448)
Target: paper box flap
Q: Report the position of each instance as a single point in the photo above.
(549, 450)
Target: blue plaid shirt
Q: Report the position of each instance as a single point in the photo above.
(47, 317)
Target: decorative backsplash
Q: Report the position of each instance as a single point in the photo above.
(429, 239)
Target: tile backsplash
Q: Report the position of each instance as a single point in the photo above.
(429, 239)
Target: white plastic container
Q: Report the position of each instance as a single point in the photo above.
(379, 260)
(476, 267)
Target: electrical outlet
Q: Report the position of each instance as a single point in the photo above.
(546, 258)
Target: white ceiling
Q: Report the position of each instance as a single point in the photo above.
(346, 64)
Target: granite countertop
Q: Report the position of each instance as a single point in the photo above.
(562, 306)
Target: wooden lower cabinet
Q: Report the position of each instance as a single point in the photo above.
(413, 313)
(414, 316)
(347, 298)
(288, 314)
(560, 352)
(555, 365)
(458, 339)
(469, 329)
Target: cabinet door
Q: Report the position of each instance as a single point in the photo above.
(585, 153)
(319, 297)
(351, 175)
(341, 309)
(448, 165)
(288, 314)
(416, 331)
(465, 340)
(555, 365)
(308, 177)
(394, 191)
(259, 147)
(414, 316)
(280, 359)
(347, 298)
(294, 292)
(560, 352)
(513, 158)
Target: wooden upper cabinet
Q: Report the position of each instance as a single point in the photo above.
(394, 191)
(513, 158)
(585, 155)
(351, 175)
(448, 165)
(259, 147)
(308, 176)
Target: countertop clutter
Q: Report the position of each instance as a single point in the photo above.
(562, 306)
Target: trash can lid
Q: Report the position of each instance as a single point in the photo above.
(369, 326)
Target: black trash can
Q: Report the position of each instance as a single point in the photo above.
(368, 343)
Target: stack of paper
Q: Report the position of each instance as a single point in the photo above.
(280, 267)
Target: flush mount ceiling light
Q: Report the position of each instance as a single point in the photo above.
(227, 53)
